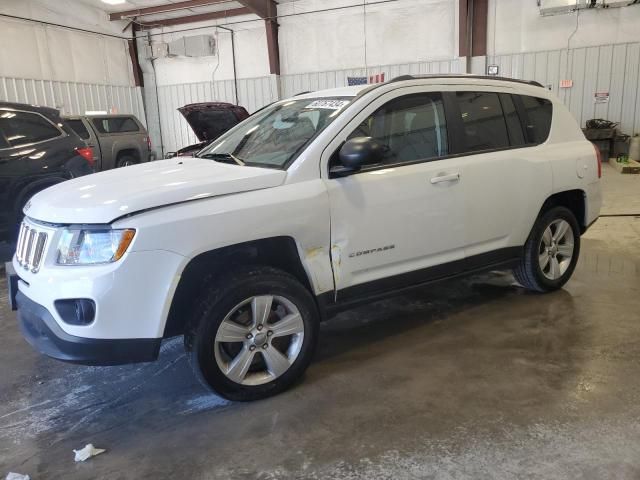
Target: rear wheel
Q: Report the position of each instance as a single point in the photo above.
(253, 334)
(551, 251)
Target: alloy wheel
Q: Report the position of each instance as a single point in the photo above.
(259, 340)
(556, 249)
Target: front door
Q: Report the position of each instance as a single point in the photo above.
(400, 221)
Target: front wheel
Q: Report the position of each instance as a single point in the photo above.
(253, 334)
(551, 251)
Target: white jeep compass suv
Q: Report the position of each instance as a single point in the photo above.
(311, 205)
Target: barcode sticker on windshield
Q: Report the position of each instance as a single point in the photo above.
(330, 104)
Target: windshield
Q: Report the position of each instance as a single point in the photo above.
(275, 136)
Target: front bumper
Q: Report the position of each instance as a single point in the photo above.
(40, 329)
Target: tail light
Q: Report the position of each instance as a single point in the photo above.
(599, 157)
(149, 142)
(87, 154)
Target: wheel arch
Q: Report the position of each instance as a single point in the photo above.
(279, 252)
(575, 200)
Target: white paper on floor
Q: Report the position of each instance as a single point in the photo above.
(87, 452)
(17, 476)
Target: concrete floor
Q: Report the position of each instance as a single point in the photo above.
(469, 379)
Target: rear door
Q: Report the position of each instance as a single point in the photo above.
(506, 177)
(398, 222)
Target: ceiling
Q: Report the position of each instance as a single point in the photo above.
(215, 6)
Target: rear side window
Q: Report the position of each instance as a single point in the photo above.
(115, 124)
(79, 127)
(411, 128)
(514, 126)
(538, 113)
(483, 121)
(23, 128)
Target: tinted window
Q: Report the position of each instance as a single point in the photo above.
(538, 118)
(484, 124)
(115, 125)
(22, 128)
(412, 128)
(514, 126)
(79, 127)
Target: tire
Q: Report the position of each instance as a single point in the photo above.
(550, 256)
(226, 310)
(125, 161)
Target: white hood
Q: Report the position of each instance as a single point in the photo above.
(103, 197)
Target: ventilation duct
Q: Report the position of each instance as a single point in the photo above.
(559, 7)
(193, 46)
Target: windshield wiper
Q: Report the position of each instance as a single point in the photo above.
(223, 158)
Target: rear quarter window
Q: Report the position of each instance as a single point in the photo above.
(23, 128)
(538, 114)
(115, 124)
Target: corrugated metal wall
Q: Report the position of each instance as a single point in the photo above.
(607, 68)
(253, 93)
(73, 98)
(293, 84)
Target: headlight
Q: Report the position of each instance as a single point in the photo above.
(93, 246)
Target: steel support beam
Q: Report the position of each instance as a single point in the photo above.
(166, 22)
(268, 11)
(169, 7)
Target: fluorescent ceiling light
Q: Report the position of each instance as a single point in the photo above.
(114, 2)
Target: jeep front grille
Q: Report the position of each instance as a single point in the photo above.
(30, 247)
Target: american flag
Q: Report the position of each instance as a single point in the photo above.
(377, 78)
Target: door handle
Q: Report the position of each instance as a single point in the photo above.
(453, 177)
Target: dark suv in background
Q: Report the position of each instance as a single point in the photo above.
(117, 140)
(37, 150)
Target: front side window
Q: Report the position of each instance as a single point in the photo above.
(483, 121)
(276, 135)
(410, 128)
(24, 128)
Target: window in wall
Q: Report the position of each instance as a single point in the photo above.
(78, 126)
(538, 113)
(23, 128)
(411, 128)
(483, 121)
(514, 126)
(115, 124)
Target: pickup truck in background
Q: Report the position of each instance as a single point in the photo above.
(117, 140)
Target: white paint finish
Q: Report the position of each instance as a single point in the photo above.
(427, 225)
(397, 32)
(105, 196)
(516, 26)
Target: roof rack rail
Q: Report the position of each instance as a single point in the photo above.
(462, 75)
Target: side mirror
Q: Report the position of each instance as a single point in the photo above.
(360, 151)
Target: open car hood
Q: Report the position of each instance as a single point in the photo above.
(209, 120)
(103, 197)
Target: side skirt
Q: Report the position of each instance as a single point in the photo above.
(387, 287)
